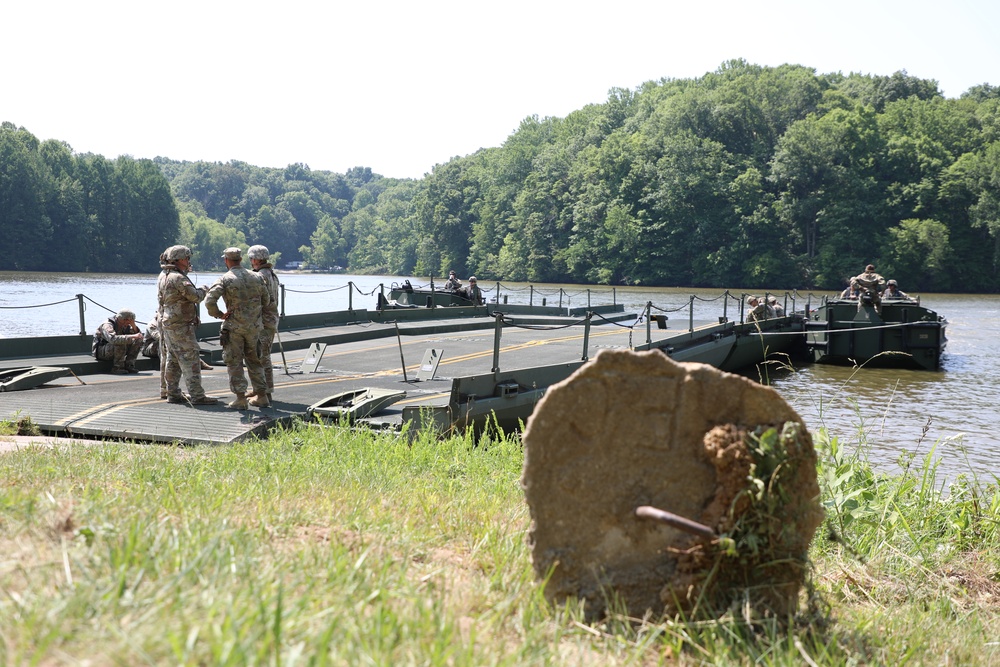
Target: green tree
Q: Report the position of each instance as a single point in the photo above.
(920, 250)
(24, 221)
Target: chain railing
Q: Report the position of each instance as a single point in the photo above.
(501, 295)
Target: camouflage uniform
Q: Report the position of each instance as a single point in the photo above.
(178, 314)
(871, 283)
(269, 317)
(113, 342)
(472, 292)
(245, 295)
(152, 344)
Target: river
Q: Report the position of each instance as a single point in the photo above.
(888, 412)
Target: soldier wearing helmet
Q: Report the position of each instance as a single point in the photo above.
(245, 296)
(260, 262)
(892, 291)
(178, 299)
(870, 286)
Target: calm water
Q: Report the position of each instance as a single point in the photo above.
(893, 411)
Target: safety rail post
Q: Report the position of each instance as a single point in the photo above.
(743, 300)
(350, 295)
(282, 286)
(691, 314)
(649, 317)
(498, 292)
(381, 291)
(586, 337)
(83, 322)
(560, 297)
(496, 342)
(588, 297)
(614, 296)
(531, 295)
(725, 306)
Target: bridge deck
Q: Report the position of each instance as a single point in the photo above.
(94, 403)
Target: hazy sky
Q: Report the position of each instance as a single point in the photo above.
(403, 86)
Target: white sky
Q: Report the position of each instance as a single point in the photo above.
(400, 86)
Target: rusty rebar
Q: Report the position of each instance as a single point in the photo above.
(675, 521)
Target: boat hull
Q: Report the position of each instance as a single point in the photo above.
(400, 297)
(903, 334)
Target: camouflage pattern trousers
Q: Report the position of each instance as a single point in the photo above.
(266, 343)
(121, 353)
(244, 345)
(182, 360)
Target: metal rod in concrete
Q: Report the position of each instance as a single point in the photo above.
(675, 521)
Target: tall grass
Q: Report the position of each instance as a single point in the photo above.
(327, 546)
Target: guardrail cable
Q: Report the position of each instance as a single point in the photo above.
(40, 305)
(318, 291)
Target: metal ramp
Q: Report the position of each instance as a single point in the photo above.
(145, 419)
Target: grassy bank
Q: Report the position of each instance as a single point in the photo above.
(332, 547)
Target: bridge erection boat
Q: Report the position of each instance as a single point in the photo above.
(900, 333)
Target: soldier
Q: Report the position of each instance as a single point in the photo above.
(119, 341)
(178, 317)
(892, 291)
(472, 292)
(259, 256)
(757, 310)
(245, 295)
(453, 284)
(869, 284)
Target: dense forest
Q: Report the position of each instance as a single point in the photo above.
(750, 176)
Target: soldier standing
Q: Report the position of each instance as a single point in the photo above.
(870, 284)
(259, 256)
(245, 295)
(178, 315)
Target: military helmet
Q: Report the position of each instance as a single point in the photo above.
(258, 252)
(175, 252)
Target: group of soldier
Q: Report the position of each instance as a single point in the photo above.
(870, 286)
(867, 286)
(249, 325)
(470, 291)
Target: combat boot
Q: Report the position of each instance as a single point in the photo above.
(260, 401)
(205, 400)
(239, 404)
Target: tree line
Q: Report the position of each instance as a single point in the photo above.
(749, 176)
(60, 211)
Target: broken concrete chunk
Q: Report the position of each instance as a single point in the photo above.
(637, 429)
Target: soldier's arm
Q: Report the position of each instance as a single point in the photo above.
(107, 332)
(186, 288)
(212, 300)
